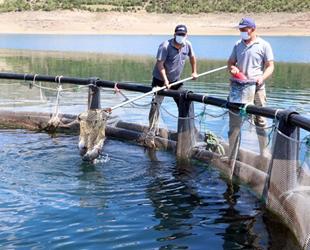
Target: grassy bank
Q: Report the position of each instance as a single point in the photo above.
(159, 6)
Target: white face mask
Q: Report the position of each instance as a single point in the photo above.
(180, 39)
(245, 35)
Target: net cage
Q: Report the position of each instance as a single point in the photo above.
(273, 161)
(288, 189)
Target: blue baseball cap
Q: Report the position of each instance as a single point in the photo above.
(180, 29)
(246, 22)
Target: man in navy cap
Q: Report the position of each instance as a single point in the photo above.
(171, 56)
(253, 57)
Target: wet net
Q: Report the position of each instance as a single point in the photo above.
(92, 133)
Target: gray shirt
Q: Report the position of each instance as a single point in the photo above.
(174, 59)
(251, 59)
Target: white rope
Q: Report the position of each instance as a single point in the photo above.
(64, 90)
(57, 79)
(55, 120)
(34, 78)
(204, 97)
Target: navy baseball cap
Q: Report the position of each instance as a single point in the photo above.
(246, 22)
(180, 29)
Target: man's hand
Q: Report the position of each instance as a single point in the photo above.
(166, 83)
(268, 72)
(194, 75)
(260, 81)
(234, 70)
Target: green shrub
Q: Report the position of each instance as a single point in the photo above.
(160, 6)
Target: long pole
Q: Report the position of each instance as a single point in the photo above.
(161, 88)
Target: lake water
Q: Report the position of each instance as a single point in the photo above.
(132, 198)
(286, 49)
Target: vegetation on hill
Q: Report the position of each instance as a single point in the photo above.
(159, 6)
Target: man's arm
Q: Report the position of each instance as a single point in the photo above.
(192, 60)
(268, 72)
(231, 64)
(162, 71)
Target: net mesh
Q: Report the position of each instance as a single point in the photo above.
(289, 186)
(92, 133)
(279, 156)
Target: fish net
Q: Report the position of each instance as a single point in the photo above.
(272, 161)
(92, 133)
(288, 190)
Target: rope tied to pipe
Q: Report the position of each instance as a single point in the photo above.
(243, 112)
(57, 78)
(118, 91)
(224, 106)
(55, 121)
(34, 79)
(116, 88)
(29, 84)
(203, 97)
(274, 124)
(203, 117)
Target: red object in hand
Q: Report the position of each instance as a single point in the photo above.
(240, 75)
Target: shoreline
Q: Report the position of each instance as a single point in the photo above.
(142, 23)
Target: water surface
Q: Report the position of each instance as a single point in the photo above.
(286, 49)
(51, 199)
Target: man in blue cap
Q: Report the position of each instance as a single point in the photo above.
(253, 57)
(171, 56)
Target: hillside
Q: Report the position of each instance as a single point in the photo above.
(159, 6)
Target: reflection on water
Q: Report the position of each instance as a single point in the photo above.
(288, 87)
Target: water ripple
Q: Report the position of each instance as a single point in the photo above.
(51, 199)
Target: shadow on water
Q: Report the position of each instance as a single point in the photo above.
(245, 230)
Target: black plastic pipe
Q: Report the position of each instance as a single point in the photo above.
(294, 119)
(78, 81)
